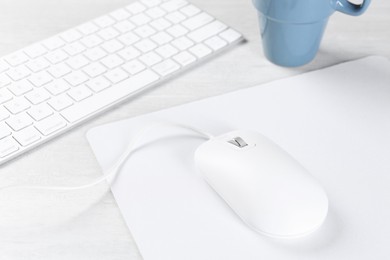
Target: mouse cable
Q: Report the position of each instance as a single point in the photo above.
(116, 167)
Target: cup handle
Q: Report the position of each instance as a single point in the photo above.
(347, 7)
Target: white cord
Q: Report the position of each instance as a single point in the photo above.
(115, 168)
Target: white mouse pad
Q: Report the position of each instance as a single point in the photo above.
(335, 122)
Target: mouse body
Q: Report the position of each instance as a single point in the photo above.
(267, 188)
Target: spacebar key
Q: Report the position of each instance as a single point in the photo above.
(109, 96)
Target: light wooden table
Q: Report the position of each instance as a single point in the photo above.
(87, 224)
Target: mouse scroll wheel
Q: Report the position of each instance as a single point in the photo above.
(238, 141)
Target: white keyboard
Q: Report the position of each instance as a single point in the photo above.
(53, 85)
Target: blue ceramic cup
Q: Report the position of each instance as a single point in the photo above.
(292, 29)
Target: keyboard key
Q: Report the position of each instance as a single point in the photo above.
(17, 105)
(16, 58)
(118, 91)
(3, 66)
(88, 28)
(76, 78)
(184, 58)
(190, 10)
(175, 17)
(41, 78)
(155, 12)
(5, 95)
(91, 41)
(145, 45)
(112, 46)
(144, 31)
(133, 67)
(27, 136)
(182, 43)
(104, 21)
(18, 73)
(150, 58)
(120, 14)
(160, 24)
(38, 64)
(40, 112)
(200, 50)
(4, 130)
(71, 35)
(129, 53)
(95, 54)
(77, 62)
(230, 35)
(166, 67)
(112, 61)
(59, 70)
(135, 8)
(177, 30)
(56, 56)
(173, 5)
(151, 3)
(4, 80)
(198, 21)
(79, 93)
(19, 122)
(128, 38)
(98, 84)
(53, 43)
(60, 102)
(74, 48)
(108, 33)
(166, 51)
(35, 51)
(21, 87)
(215, 43)
(161, 38)
(116, 75)
(124, 26)
(50, 124)
(94, 70)
(37, 96)
(4, 114)
(140, 19)
(57, 87)
(8, 146)
(207, 31)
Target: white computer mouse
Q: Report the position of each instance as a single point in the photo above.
(267, 188)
